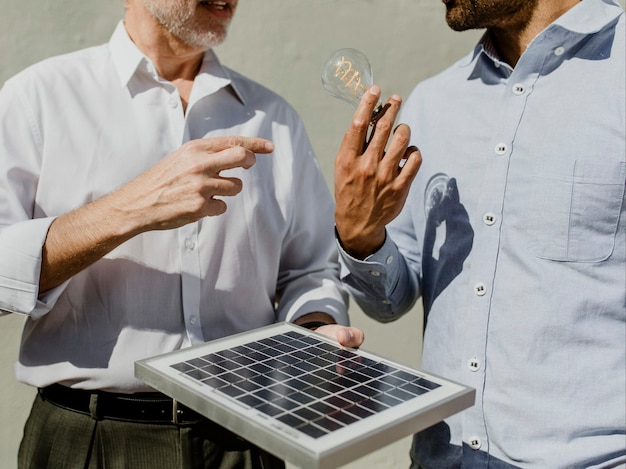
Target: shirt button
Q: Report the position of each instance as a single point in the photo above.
(489, 218)
(374, 273)
(173, 103)
(193, 320)
(474, 442)
(473, 364)
(501, 148)
(389, 260)
(480, 289)
(518, 89)
(190, 245)
(386, 302)
(559, 51)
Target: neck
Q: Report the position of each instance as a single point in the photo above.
(173, 59)
(512, 39)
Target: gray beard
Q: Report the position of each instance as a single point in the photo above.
(180, 23)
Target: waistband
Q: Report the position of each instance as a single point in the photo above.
(139, 407)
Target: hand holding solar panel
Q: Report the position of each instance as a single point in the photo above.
(346, 336)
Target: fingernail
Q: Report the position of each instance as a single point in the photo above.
(269, 146)
(375, 90)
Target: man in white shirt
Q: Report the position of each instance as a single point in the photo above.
(136, 219)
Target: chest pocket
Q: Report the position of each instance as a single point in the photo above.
(573, 209)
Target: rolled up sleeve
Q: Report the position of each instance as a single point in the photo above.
(20, 266)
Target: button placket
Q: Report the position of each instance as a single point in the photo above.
(172, 100)
(489, 211)
(191, 283)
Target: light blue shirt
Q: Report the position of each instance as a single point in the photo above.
(514, 234)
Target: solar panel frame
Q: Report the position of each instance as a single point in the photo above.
(368, 426)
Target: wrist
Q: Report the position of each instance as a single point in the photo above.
(361, 247)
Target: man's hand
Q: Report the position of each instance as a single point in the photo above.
(346, 336)
(371, 184)
(180, 189)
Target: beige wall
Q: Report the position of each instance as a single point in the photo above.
(282, 44)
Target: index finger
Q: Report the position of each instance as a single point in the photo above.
(254, 144)
(354, 139)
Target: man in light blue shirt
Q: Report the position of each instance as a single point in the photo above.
(513, 232)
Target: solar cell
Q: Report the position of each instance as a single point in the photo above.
(302, 397)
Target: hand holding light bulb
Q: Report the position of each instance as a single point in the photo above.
(375, 165)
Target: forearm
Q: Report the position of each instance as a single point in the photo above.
(180, 189)
(80, 238)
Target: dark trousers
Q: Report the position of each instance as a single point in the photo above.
(55, 437)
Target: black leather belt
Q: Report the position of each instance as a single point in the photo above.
(138, 407)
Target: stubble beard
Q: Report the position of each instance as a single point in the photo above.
(462, 15)
(179, 18)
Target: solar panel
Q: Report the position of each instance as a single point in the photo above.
(302, 397)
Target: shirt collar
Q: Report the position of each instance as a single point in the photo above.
(125, 54)
(213, 76)
(128, 60)
(588, 17)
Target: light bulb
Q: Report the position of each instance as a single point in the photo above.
(346, 75)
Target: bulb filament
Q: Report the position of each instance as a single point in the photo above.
(352, 78)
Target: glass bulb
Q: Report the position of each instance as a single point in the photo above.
(347, 74)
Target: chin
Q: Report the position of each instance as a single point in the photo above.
(459, 22)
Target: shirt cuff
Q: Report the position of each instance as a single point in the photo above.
(20, 267)
(377, 268)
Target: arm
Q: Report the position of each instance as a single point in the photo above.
(371, 188)
(179, 190)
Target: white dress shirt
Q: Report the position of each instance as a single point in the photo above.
(76, 127)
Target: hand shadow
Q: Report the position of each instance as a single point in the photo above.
(448, 240)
